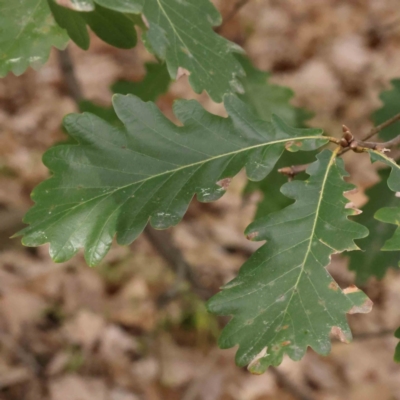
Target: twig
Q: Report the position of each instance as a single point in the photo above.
(289, 386)
(68, 71)
(235, 9)
(373, 335)
(380, 145)
(293, 170)
(163, 243)
(382, 126)
(348, 142)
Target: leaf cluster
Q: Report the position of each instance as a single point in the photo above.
(128, 166)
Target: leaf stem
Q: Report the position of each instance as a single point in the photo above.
(348, 142)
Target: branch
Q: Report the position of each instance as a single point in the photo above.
(163, 243)
(382, 126)
(292, 171)
(289, 386)
(348, 142)
(68, 72)
(379, 145)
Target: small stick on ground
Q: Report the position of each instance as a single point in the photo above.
(289, 386)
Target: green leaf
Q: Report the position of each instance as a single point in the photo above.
(106, 113)
(372, 261)
(111, 26)
(72, 22)
(273, 200)
(397, 351)
(181, 33)
(390, 215)
(391, 107)
(27, 33)
(78, 5)
(266, 99)
(283, 299)
(124, 6)
(155, 83)
(114, 180)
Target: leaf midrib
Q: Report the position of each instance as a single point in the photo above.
(308, 252)
(197, 163)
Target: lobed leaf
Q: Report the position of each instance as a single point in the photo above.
(27, 33)
(283, 299)
(111, 26)
(155, 83)
(372, 261)
(115, 179)
(181, 33)
(266, 99)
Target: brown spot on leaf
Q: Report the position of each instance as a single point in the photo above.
(285, 343)
(351, 205)
(76, 6)
(333, 286)
(352, 191)
(289, 144)
(252, 235)
(337, 332)
(182, 72)
(351, 289)
(365, 308)
(224, 183)
(255, 364)
(284, 327)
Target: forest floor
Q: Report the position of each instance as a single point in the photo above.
(70, 332)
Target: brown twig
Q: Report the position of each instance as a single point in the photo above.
(293, 170)
(289, 386)
(163, 243)
(68, 72)
(348, 142)
(382, 126)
